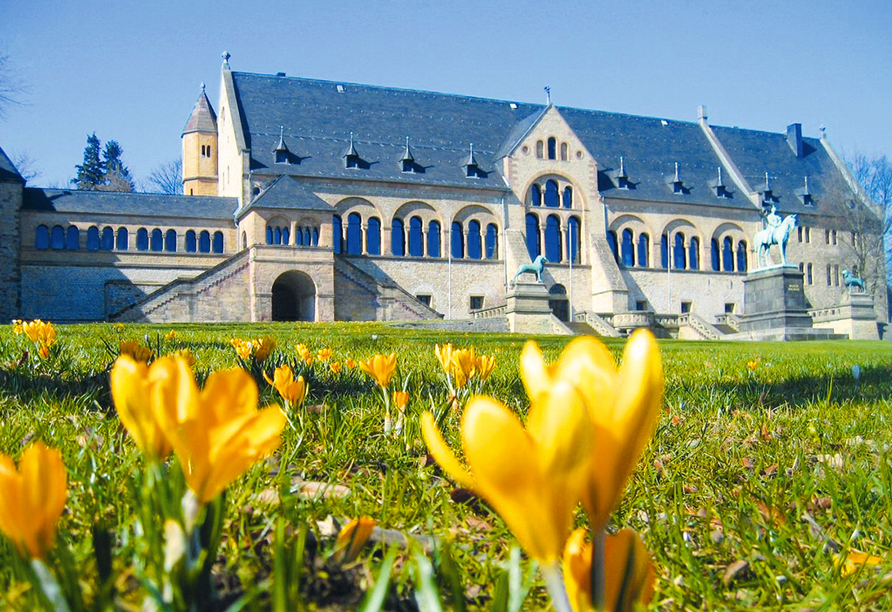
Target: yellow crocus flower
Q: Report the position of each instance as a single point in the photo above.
(485, 365)
(401, 400)
(131, 393)
(350, 363)
(380, 368)
(41, 333)
(324, 354)
(303, 351)
(292, 391)
(263, 347)
(216, 433)
(186, 355)
(335, 367)
(18, 326)
(464, 364)
(352, 538)
(532, 476)
(134, 349)
(32, 499)
(171, 335)
(623, 407)
(444, 356)
(628, 573)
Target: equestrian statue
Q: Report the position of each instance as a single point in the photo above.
(851, 282)
(536, 268)
(778, 232)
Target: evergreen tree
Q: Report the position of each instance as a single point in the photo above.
(91, 174)
(117, 176)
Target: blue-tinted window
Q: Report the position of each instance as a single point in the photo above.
(269, 235)
(678, 254)
(190, 242)
(553, 239)
(204, 242)
(457, 240)
(286, 235)
(643, 250)
(627, 249)
(142, 239)
(108, 239)
(694, 254)
(568, 197)
(664, 250)
(727, 255)
(42, 237)
(93, 238)
(492, 241)
(433, 239)
(337, 229)
(475, 246)
(536, 195)
(397, 238)
(552, 197)
(716, 256)
(552, 153)
(741, 256)
(373, 237)
(121, 243)
(157, 240)
(57, 238)
(314, 236)
(573, 230)
(170, 241)
(416, 239)
(354, 234)
(532, 231)
(299, 237)
(218, 242)
(72, 238)
(612, 243)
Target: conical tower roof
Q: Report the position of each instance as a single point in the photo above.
(203, 118)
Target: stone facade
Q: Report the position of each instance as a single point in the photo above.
(322, 201)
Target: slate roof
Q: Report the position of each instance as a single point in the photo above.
(144, 204)
(203, 117)
(288, 192)
(318, 116)
(8, 172)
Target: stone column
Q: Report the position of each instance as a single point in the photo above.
(424, 245)
(386, 240)
(364, 238)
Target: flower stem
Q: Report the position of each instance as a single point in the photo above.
(554, 581)
(597, 571)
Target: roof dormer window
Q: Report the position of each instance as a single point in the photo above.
(621, 177)
(472, 167)
(768, 197)
(408, 160)
(283, 155)
(676, 184)
(805, 194)
(351, 156)
(721, 191)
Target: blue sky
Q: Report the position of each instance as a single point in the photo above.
(130, 71)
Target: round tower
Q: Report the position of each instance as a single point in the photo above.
(200, 149)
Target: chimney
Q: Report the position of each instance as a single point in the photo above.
(794, 138)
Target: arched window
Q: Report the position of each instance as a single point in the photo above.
(190, 240)
(286, 236)
(552, 198)
(533, 246)
(72, 238)
(108, 239)
(458, 240)
(57, 238)
(643, 251)
(397, 238)
(170, 241)
(42, 237)
(627, 249)
(373, 237)
(727, 255)
(269, 235)
(157, 240)
(539, 149)
(337, 230)
(716, 256)
(664, 251)
(122, 239)
(553, 242)
(218, 242)
(433, 239)
(93, 238)
(614, 247)
(299, 237)
(277, 235)
(564, 151)
(573, 237)
(678, 255)
(535, 195)
(416, 237)
(244, 240)
(741, 256)
(694, 254)
(204, 242)
(568, 197)
(492, 241)
(475, 244)
(354, 234)
(552, 149)
(142, 239)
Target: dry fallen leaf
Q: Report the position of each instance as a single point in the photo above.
(737, 568)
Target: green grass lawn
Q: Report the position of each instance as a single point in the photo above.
(770, 462)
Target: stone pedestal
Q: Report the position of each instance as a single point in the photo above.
(774, 307)
(527, 309)
(854, 316)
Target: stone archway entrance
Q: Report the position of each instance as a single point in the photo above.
(294, 297)
(557, 301)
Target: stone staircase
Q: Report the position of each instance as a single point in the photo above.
(390, 301)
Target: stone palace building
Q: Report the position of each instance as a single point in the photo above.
(320, 200)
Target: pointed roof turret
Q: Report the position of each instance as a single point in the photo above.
(407, 154)
(203, 118)
(351, 150)
(282, 147)
(472, 159)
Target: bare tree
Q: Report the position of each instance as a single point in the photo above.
(25, 164)
(167, 178)
(875, 176)
(11, 86)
